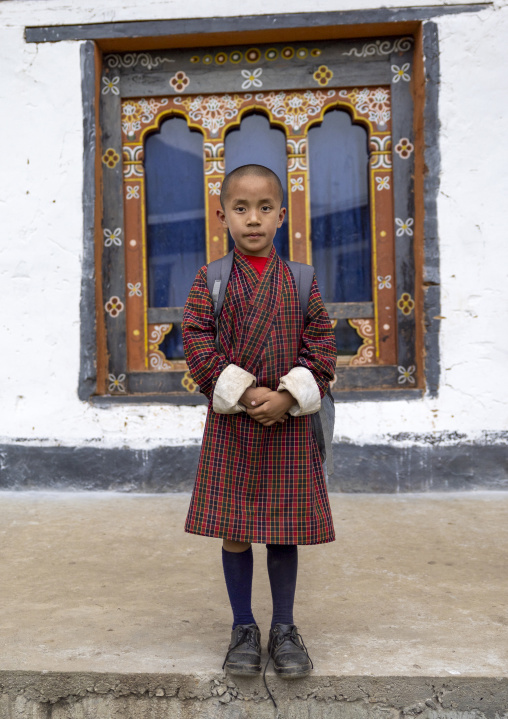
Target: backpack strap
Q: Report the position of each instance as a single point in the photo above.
(324, 420)
(303, 274)
(217, 278)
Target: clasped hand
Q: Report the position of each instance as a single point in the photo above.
(265, 406)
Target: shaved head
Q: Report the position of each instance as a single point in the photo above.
(257, 170)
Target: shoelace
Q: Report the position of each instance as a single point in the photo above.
(278, 715)
(280, 639)
(246, 635)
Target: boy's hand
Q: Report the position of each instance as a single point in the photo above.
(273, 408)
(253, 396)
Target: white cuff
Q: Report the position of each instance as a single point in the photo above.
(232, 383)
(300, 382)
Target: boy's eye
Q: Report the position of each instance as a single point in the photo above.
(266, 208)
(240, 209)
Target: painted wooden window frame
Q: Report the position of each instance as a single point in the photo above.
(371, 65)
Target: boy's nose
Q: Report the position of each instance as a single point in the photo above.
(253, 217)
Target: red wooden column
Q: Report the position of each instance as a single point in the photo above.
(298, 200)
(383, 266)
(135, 256)
(216, 235)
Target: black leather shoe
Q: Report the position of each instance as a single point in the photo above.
(290, 657)
(244, 653)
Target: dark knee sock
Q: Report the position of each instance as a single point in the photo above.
(238, 568)
(282, 561)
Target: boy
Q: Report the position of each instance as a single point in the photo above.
(260, 477)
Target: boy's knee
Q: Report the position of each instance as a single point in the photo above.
(237, 547)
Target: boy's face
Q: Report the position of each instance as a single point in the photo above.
(252, 212)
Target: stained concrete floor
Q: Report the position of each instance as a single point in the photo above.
(415, 585)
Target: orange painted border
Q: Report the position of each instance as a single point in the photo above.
(261, 37)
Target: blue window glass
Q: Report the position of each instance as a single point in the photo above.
(255, 142)
(176, 230)
(340, 216)
(339, 201)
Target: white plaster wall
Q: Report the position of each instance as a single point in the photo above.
(41, 237)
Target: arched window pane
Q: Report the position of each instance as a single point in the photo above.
(256, 142)
(175, 204)
(175, 219)
(340, 218)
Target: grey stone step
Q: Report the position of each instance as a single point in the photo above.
(32, 695)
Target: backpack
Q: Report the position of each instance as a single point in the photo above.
(217, 278)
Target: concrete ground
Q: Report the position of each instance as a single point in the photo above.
(415, 587)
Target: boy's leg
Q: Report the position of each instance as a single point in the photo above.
(285, 646)
(282, 562)
(238, 565)
(244, 653)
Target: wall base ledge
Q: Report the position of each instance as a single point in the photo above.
(369, 468)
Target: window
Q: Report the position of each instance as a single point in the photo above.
(334, 120)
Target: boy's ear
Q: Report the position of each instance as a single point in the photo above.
(222, 217)
(282, 214)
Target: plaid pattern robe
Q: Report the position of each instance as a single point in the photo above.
(257, 483)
